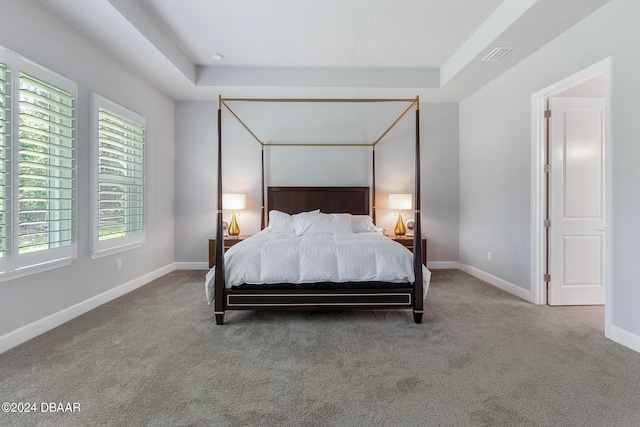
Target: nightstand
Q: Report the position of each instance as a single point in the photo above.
(407, 242)
(227, 243)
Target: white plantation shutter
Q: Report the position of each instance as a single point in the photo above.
(119, 174)
(37, 168)
(46, 172)
(4, 90)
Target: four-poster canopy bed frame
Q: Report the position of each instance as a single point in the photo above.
(292, 200)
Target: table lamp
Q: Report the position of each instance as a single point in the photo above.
(234, 202)
(400, 202)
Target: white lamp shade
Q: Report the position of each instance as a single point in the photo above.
(233, 201)
(400, 201)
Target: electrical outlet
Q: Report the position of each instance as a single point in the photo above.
(488, 256)
(118, 264)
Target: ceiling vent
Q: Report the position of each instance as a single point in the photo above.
(497, 54)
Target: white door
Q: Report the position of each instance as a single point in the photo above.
(577, 201)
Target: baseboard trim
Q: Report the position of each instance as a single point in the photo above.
(192, 266)
(624, 337)
(32, 330)
(498, 283)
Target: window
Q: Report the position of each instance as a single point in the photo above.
(118, 178)
(3, 164)
(37, 167)
(45, 202)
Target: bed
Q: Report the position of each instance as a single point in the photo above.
(258, 286)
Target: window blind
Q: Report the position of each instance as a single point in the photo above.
(120, 176)
(3, 159)
(46, 166)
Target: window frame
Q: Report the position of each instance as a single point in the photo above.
(6, 58)
(15, 264)
(104, 247)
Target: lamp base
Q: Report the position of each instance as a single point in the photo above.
(400, 229)
(234, 230)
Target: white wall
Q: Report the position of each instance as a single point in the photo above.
(31, 299)
(196, 159)
(495, 155)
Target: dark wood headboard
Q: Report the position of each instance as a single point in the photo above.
(292, 200)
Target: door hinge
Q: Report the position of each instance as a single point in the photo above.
(547, 114)
(547, 223)
(546, 277)
(547, 168)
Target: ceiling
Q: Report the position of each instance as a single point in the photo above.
(322, 48)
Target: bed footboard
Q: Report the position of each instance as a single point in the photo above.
(320, 299)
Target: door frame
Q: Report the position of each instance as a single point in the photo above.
(538, 147)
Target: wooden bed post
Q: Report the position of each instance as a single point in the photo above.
(262, 213)
(373, 185)
(219, 282)
(417, 234)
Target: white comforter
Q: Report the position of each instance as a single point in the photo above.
(269, 257)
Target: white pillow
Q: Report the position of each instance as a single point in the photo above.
(306, 223)
(342, 222)
(280, 222)
(362, 224)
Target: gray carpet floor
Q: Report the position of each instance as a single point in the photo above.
(480, 358)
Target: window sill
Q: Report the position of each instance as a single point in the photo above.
(34, 269)
(115, 250)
